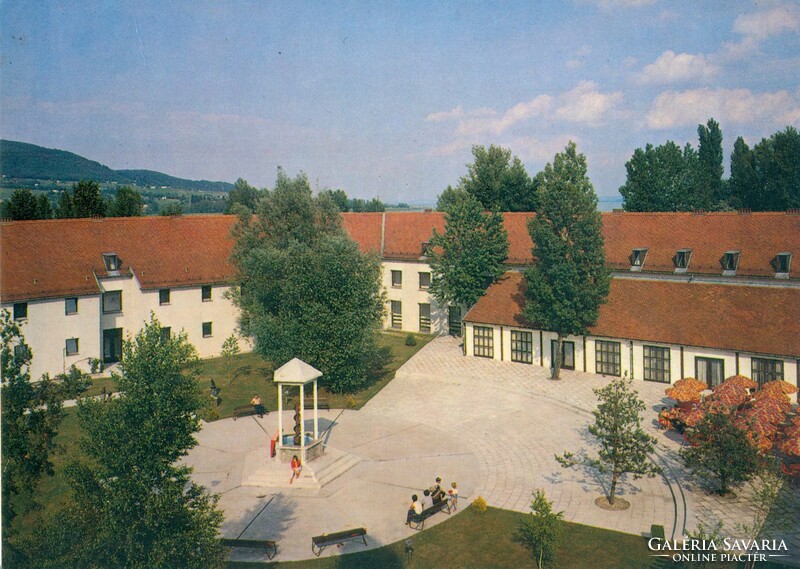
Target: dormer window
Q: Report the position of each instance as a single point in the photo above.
(782, 263)
(637, 259)
(729, 262)
(111, 262)
(681, 260)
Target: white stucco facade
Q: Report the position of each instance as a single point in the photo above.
(413, 295)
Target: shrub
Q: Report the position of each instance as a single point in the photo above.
(411, 340)
(479, 505)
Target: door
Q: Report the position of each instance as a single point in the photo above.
(454, 320)
(710, 370)
(567, 354)
(112, 345)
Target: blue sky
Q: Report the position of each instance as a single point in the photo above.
(387, 98)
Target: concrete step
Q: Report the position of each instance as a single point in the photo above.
(333, 471)
(260, 470)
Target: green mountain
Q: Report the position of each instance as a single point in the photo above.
(31, 162)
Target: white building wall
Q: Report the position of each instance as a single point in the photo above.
(47, 328)
(411, 296)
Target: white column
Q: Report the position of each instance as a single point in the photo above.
(279, 444)
(302, 422)
(316, 417)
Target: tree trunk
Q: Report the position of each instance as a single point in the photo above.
(557, 359)
(613, 490)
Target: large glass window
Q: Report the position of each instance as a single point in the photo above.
(656, 364)
(70, 306)
(521, 346)
(567, 354)
(607, 357)
(483, 341)
(765, 370)
(710, 370)
(397, 314)
(425, 318)
(112, 301)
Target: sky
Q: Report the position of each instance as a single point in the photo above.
(387, 98)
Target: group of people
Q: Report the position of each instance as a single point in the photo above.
(432, 497)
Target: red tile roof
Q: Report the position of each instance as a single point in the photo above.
(756, 319)
(365, 229)
(56, 258)
(405, 232)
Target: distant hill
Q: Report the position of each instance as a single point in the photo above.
(31, 162)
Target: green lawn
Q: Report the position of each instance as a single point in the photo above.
(472, 540)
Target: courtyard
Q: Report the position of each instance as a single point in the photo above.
(493, 427)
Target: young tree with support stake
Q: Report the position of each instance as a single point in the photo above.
(540, 531)
(569, 279)
(624, 446)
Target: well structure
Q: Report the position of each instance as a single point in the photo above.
(298, 374)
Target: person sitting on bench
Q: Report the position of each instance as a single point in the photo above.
(257, 405)
(436, 491)
(426, 501)
(414, 509)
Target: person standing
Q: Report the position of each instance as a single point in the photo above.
(452, 495)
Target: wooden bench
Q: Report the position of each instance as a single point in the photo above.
(419, 519)
(245, 410)
(270, 547)
(320, 542)
(321, 404)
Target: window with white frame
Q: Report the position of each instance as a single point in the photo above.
(522, 346)
(709, 370)
(483, 341)
(681, 260)
(112, 301)
(656, 364)
(637, 258)
(764, 369)
(729, 262)
(608, 358)
(782, 263)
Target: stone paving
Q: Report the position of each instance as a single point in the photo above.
(494, 427)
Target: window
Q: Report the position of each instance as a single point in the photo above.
(397, 314)
(397, 279)
(607, 357)
(765, 370)
(20, 310)
(166, 332)
(72, 346)
(483, 341)
(710, 370)
(424, 281)
(425, 318)
(782, 263)
(454, 321)
(111, 261)
(112, 301)
(729, 262)
(521, 347)
(206, 293)
(567, 354)
(681, 260)
(637, 259)
(163, 296)
(206, 329)
(656, 364)
(70, 306)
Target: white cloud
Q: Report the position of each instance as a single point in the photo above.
(445, 115)
(742, 106)
(671, 67)
(585, 104)
(491, 123)
(767, 23)
(574, 64)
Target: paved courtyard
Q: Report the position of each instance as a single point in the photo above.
(494, 427)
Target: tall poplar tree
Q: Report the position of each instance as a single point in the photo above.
(569, 279)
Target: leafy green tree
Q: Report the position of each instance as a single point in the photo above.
(307, 291)
(617, 426)
(499, 181)
(721, 451)
(357, 205)
(469, 255)
(133, 505)
(86, 199)
(778, 167)
(449, 197)
(65, 209)
(663, 178)
(710, 158)
(172, 208)
(339, 197)
(244, 194)
(44, 210)
(375, 204)
(21, 205)
(31, 414)
(743, 183)
(127, 203)
(569, 280)
(541, 531)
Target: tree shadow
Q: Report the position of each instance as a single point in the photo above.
(240, 371)
(383, 557)
(377, 366)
